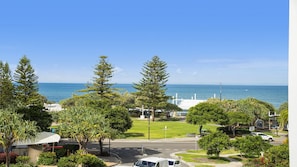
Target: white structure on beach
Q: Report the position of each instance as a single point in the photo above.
(186, 104)
(53, 107)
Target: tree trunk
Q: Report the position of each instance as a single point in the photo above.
(7, 156)
(233, 128)
(200, 130)
(100, 146)
(153, 114)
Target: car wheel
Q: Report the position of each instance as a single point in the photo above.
(270, 139)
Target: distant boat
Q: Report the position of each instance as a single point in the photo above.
(246, 90)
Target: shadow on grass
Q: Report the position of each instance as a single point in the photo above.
(128, 135)
(221, 159)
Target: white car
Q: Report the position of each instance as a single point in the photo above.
(173, 162)
(263, 136)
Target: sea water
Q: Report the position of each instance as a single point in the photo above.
(276, 95)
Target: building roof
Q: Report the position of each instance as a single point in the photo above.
(41, 138)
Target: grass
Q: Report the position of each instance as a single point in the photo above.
(203, 152)
(174, 129)
(198, 158)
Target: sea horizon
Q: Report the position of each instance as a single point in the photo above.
(171, 84)
(273, 94)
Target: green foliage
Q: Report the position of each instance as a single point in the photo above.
(69, 161)
(101, 86)
(214, 143)
(237, 118)
(283, 106)
(119, 119)
(82, 124)
(42, 118)
(90, 160)
(79, 158)
(151, 89)
(251, 146)
(206, 112)
(14, 128)
(47, 158)
(27, 84)
(23, 159)
(278, 156)
(255, 109)
(7, 91)
(283, 118)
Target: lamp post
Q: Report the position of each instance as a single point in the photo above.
(149, 126)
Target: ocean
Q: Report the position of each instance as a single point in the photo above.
(276, 95)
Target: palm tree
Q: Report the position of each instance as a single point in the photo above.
(13, 128)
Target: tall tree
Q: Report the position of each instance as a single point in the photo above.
(7, 91)
(152, 87)
(14, 128)
(27, 84)
(101, 82)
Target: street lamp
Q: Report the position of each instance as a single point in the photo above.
(149, 125)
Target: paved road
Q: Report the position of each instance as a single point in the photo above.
(130, 151)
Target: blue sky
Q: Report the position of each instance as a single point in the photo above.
(202, 41)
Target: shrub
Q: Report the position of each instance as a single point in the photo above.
(23, 159)
(69, 161)
(91, 160)
(12, 157)
(79, 158)
(47, 158)
(278, 155)
(214, 143)
(251, 146)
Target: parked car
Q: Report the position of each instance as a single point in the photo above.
(173, 162)
(263, 136)
(151, 162)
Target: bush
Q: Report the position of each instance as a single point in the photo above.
(12, 157)
(69, 161)
(214, 143)
(251, 146)
(91, 160)
(278, 155)
(47, 158)
(60, 153)
(78, 158)
(23, 159)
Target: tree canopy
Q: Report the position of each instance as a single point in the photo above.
(13, 128)
(206, 112)
(27, 84)
(214, 143)
(7, 90)
(151, 89)
(82, 124)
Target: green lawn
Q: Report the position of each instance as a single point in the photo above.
(175, 129)
(200, 157)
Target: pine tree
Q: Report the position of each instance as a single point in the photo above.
(101, 86)
(7, 91)
(152, 87)
(26, 83)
